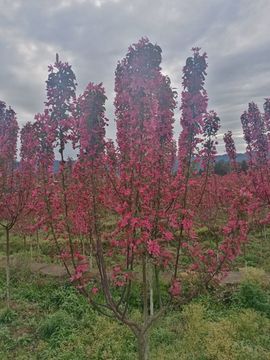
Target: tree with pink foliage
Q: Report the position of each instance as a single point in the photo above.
(266, 107)
(256, 134)
(230, 149)
(194, 125)
(155, 209)
(152, 206)
(52, 131)
(8, 147)
(144, 111)
(16, 179)
(88, 172)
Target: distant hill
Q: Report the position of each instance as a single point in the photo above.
(224, 157)
(56, 165)
(239, 157)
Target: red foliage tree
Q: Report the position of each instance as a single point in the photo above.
(256, 134)
(230, 149)
(155, 210)
(15, 180)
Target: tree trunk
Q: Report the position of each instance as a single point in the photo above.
(143, 346)
(37, 237)
(151, 291)
(7, 268)
(83, 246)
(31, 250)
(157, 286)
(24, 243)
(142, 335)
(90, 251)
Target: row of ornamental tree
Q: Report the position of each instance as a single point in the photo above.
(160, 198)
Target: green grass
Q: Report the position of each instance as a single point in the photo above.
(48, 319)
(257, 251)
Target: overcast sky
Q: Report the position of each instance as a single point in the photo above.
(94, 34)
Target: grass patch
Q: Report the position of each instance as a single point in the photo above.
(49, 319)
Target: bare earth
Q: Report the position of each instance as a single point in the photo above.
(58, 271)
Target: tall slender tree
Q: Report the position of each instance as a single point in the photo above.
(15, 180)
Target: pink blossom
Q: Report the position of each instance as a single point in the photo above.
(153, 248)
(175, 289)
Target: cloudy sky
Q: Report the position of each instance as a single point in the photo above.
(94, 34)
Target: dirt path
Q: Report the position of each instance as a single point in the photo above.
(233, 277)
(48, 269)
(54, 270)
(58, 271)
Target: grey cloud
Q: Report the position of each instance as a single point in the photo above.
(94, 34)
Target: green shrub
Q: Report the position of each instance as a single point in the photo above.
(251, 295)
(195, 329)
(255, 276)
(7, 316)
(241, 336)
(6, 341)
(56, 327)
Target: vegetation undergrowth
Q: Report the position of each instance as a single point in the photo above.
(48, 319)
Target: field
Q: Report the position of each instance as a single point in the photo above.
(48, 319)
